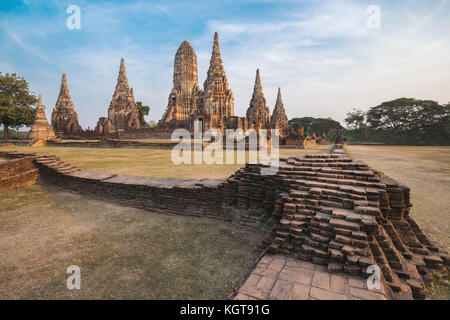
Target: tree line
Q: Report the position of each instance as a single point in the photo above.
(403, 121)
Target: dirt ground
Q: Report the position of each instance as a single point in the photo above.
(426, 170)
(123, 253)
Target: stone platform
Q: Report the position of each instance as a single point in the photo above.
(277, 277)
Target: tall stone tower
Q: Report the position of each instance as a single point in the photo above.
(279, 119)
(258, 115)
(64, 117)
(40, 129)
(122, 111)
(214, 105)
(185, 85)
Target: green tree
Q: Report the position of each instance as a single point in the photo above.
(411, 121)
(356, 119)
(15, 103)
(142, 111)
(317, 125)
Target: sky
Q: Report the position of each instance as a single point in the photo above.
(328, 57)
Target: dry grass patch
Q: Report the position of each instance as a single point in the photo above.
(123, 253)
(146, 162)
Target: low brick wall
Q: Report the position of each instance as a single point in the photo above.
(17, 173)
(112, 144)
(242, 202)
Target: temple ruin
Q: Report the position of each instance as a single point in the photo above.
(122, 111)
(279, 120)
(40, 129)
(185, 87)
(214, 105)
(258, 115)
(64, 116)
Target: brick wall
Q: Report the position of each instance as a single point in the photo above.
(17, 173)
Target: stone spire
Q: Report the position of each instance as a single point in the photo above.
(122, 111)
(40, 129)
(279, 120)
(258, 114)
(216, 60)
(257, 89)
(64, 117)
(185, 85)
(64, 91)
(215, 102)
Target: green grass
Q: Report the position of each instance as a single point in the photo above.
(426, 170)
(145, 162)
(123, 253)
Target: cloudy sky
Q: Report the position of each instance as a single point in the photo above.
(321, 53)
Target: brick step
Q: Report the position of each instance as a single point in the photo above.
(69, 170)
(352, 182)
(59, 165)
(49, 161)
(349, 186)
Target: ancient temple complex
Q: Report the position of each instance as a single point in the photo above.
(64, 116)
(122, 111)
(40, 129)
(279, 120)
(258, 115)
(214, 105)
(185, 87)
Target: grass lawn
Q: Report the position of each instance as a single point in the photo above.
(123, 253)
(426, 170)
(145, 162)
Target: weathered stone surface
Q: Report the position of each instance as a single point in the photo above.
(185, 86)
(122, 111)
(279, 119)
(214, 105)
(64, 116)
(40, 129)
(258, 115)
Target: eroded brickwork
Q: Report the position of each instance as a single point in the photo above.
(279, 120)
(185, 87)
(64, 116)
(258, 115)
(17, 173)
(40, 129)
(122, 111)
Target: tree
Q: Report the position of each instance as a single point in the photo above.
(316, 125)
(15, 103)
(142, 111)
(402, 121)
(356, 119)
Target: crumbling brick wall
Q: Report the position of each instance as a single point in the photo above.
(17, 173)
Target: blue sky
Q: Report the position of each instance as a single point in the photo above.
(320, 53)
